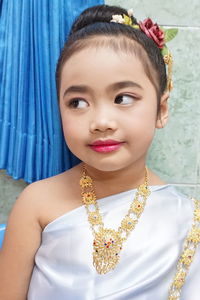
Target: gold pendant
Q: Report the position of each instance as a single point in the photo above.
(107, 246)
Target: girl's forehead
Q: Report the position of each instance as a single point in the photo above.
(106, 55)
(102, 60)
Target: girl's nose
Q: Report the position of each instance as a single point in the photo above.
(102, 121)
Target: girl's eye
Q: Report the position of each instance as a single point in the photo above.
(77, 103)
(124, 99)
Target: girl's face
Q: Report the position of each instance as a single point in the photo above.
(108, 108)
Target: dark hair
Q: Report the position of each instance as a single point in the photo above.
(95, 22)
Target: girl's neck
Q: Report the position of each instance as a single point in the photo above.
(107, 183)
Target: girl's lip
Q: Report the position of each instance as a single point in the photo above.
(105, 146)
(105, 142)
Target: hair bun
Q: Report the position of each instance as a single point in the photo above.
(99, 13)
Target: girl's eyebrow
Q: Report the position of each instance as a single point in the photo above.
(113, 87)
(123, 84)
(76, 89)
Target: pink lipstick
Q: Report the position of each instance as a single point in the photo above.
(105, 146)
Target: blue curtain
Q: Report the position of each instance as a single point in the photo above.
(32, 33)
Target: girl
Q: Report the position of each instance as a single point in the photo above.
(138, 240)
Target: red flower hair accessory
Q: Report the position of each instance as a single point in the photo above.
(155, 32)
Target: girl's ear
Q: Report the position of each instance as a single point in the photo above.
(164, 111)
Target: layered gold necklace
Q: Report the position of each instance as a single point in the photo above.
(108, 243)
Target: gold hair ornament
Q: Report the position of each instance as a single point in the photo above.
(157, 33)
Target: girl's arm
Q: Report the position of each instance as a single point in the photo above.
(22, 239)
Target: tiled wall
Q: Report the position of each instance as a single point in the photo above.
(175, 153)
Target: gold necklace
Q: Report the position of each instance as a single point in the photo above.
(108, 242)
(189, 249)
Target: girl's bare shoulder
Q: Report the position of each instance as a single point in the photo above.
(39, 203)
(54, 196)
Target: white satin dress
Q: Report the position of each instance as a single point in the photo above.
(63, 263)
